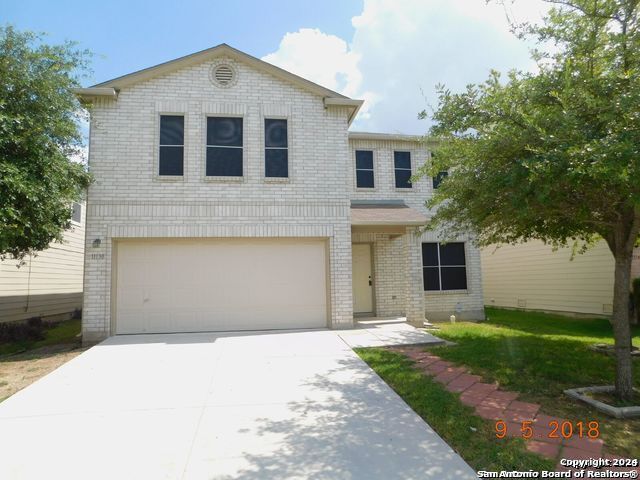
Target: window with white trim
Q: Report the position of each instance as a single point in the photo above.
(444, 266)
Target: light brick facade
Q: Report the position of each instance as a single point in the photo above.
(392, 276)
(129, 200)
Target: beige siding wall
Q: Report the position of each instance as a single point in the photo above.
(49, 284)
(535, 277)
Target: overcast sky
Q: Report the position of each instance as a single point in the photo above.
(391, 53)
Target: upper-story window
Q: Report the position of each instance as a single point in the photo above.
(171, 161)
(224, 147)
(444, 266)
(76, 213)
(276, 148)
(402, 167)
(440, 176)
(364, 169)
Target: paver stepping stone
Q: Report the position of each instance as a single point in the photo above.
(500, 399)
(594, 446)
(437, 367)
(476, 393)
(462, 382)
(493, 404)
(423, 362)
(576, 453)
(549, 450)
(527, 408)
(448, 374)
(490, 412)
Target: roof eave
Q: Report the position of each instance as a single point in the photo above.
(203, 55)
(390, 223)
(94, 92)
(351, 103)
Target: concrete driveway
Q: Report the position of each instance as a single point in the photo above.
(221, 406)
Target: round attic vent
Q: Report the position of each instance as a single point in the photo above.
(223, 75)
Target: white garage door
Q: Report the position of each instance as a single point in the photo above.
(217, 285)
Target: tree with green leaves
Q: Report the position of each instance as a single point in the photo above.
(553, 155)
(39, 137)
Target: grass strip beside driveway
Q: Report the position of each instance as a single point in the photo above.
(469, 435)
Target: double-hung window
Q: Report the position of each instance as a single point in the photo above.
(364, 169)
(276, 148)
(171, 161)
(444, 266)
(402, 168)
(224, 147)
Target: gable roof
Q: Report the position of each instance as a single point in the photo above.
(111, 87)
(213, 52)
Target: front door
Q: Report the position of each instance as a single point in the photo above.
(362, 278)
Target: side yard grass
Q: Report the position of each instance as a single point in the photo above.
(24, 362)
(540, 355)
(66, 332)
(535, 354)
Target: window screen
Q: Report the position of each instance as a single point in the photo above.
(402, 167)
(171, 161)
(276, 148)
(364, 169)
(224, 147)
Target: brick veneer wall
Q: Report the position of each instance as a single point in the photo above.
(438, 305)
(128, 200)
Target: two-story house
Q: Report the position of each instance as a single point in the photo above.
(230, 195)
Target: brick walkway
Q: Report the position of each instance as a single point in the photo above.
(493, 404)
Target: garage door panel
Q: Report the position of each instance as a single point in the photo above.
(218, 285)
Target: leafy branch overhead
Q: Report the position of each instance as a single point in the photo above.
(551, 155)
(39, 137)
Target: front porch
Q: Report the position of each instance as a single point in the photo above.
(387, 261)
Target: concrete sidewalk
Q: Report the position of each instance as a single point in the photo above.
(221, 406)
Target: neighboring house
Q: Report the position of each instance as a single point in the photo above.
(535, 277)
(49, 283)
(229, 195)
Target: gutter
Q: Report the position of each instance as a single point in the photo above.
(94, 92)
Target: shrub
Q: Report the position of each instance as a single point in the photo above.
(30, 330)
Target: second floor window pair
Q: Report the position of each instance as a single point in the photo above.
(401, 168)
(224, 147)
(365, 170)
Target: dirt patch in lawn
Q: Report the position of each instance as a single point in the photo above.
(21, 370)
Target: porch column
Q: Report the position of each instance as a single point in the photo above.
(415, 290)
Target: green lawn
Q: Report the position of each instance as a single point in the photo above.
(539, 355)
(63, 332)
(536, 354)
(469, 435)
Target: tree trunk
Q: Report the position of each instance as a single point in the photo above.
(621, 325)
